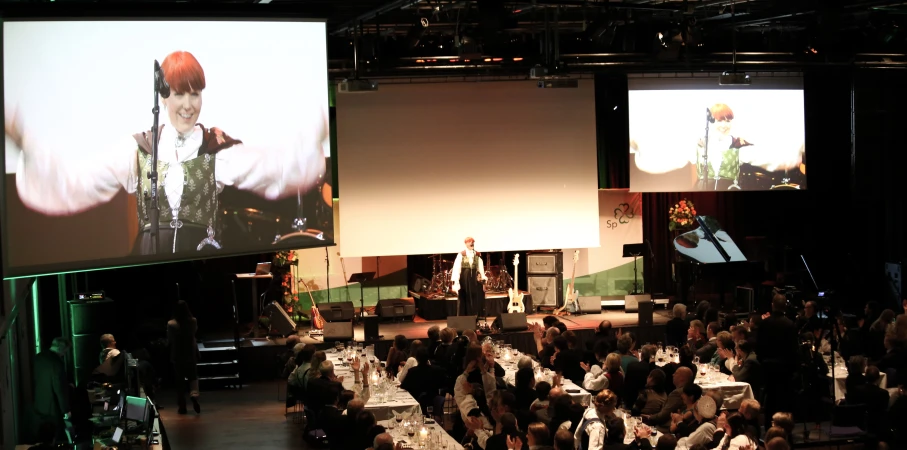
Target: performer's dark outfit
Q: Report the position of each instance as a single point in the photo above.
(471, 295)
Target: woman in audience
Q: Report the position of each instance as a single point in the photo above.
(411, 361)
(696, 334)
(596, 377)
(785, 421)
(524, 391)
(685, 422)
(725, 342)
(397, 355)
(592, 430)
(537, 435)
(296, 380)
(626, 347)
(676, 329)
(653, 397)
(736, 437)
(613, 372)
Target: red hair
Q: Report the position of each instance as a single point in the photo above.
(722, 112)
(183, 72)
(468, 239)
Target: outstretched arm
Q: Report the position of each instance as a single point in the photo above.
(59, 181)
(295, 165)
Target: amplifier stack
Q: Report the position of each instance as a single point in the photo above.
(545, 277)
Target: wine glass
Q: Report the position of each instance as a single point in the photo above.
(398, 417)
(411, 430)
(391, 425)
(430, 410)
(696, 361)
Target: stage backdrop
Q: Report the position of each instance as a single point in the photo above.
(425, 165)
(603, 271)
(390, 272)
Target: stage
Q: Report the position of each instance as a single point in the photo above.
(257, 356)
(430, 308)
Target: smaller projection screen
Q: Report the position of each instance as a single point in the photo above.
(690, 134)
(242, 148)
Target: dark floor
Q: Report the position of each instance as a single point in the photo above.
(248, 418)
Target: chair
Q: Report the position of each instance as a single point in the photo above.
(849, 421)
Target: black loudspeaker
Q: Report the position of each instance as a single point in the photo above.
(645, 312)
(511, 322)
(461, 323)
(279, 319)
(89, 319)
(371, 327)
(337, 311)
(338, 331)
(393, 308)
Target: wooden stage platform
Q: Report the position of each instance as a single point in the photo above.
(258, 355)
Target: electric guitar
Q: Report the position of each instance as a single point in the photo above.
(317, 319)
(571, 295)
(516, 297)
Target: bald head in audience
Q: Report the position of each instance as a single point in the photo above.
(604, 327)
(555, 393)
(470, 334)
(383, 438)
(682, 377)
(354, 407)
(777, 444)
(552, 334)
(525, 361)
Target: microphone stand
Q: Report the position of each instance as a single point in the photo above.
(327, 263)
(154, 211)
(704, 175)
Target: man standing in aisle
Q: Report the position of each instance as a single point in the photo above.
(52, 388)
(467, 276)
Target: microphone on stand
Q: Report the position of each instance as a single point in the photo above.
(708, 113)
(163, 88)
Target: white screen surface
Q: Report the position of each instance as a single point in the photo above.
(757, 141)
(78, 93)
(423, 166)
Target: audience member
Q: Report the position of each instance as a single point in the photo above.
(563, 440)
(181, 331)
(777, 351)
(674, 403)
(652, 398)
(397, 355)
(676, 328)
(626, 347)
(51, 386)
(708, 349)
(777, 443)
(410, 361)
(637, 374)
(696, 335)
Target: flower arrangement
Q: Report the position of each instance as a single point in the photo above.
(285, 258)
(284, 263)
(682, 215)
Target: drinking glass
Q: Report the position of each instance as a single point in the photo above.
(430, 410)
(398, 417)
(696, 361)
(391, 425)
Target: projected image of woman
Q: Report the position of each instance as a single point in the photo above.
(719, 157)
(195, 164)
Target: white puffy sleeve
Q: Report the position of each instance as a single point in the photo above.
(295, 163)
(457, 265)
(66, 181)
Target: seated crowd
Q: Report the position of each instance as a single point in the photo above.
(780, 358)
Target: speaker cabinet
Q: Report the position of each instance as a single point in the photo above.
(338, 331)
(545, 263)
(394, 308)
(631, 302)
(337, 311)
(89, 319)
(461, 323)
(279, 319)
(546, 290)
(590, 305)
(645, 312)
(371, 327)
(512, 322)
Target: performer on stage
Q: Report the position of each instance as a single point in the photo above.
(469, 268)
(195, 163)
(723, 151)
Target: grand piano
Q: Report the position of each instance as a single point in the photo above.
(712, 263)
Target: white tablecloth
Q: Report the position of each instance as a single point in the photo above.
(731, 392)
(579, 396)
(400, 435)
(402, 402)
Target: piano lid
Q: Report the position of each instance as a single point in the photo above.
(708, 244)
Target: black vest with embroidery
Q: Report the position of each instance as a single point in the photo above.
(198, 204)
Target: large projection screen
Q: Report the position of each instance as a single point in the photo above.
(243, 149)
(691, 134)
(425, 165)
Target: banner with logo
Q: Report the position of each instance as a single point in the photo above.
(603, 271)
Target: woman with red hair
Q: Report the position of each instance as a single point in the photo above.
(195, 163)
(722, 152)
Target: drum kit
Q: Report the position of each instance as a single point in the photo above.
(499, 280)
(256, 226)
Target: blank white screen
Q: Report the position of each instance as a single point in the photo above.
(421, 166)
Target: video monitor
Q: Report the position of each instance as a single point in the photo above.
(702, 244)
(691, 134)
(242, 141)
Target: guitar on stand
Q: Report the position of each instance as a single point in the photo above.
(317, 319)
(515, 305)
(572, 294)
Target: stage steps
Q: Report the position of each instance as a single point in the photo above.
(218, 365)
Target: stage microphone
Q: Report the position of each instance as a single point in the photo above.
(160, 83)
(708, 112)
